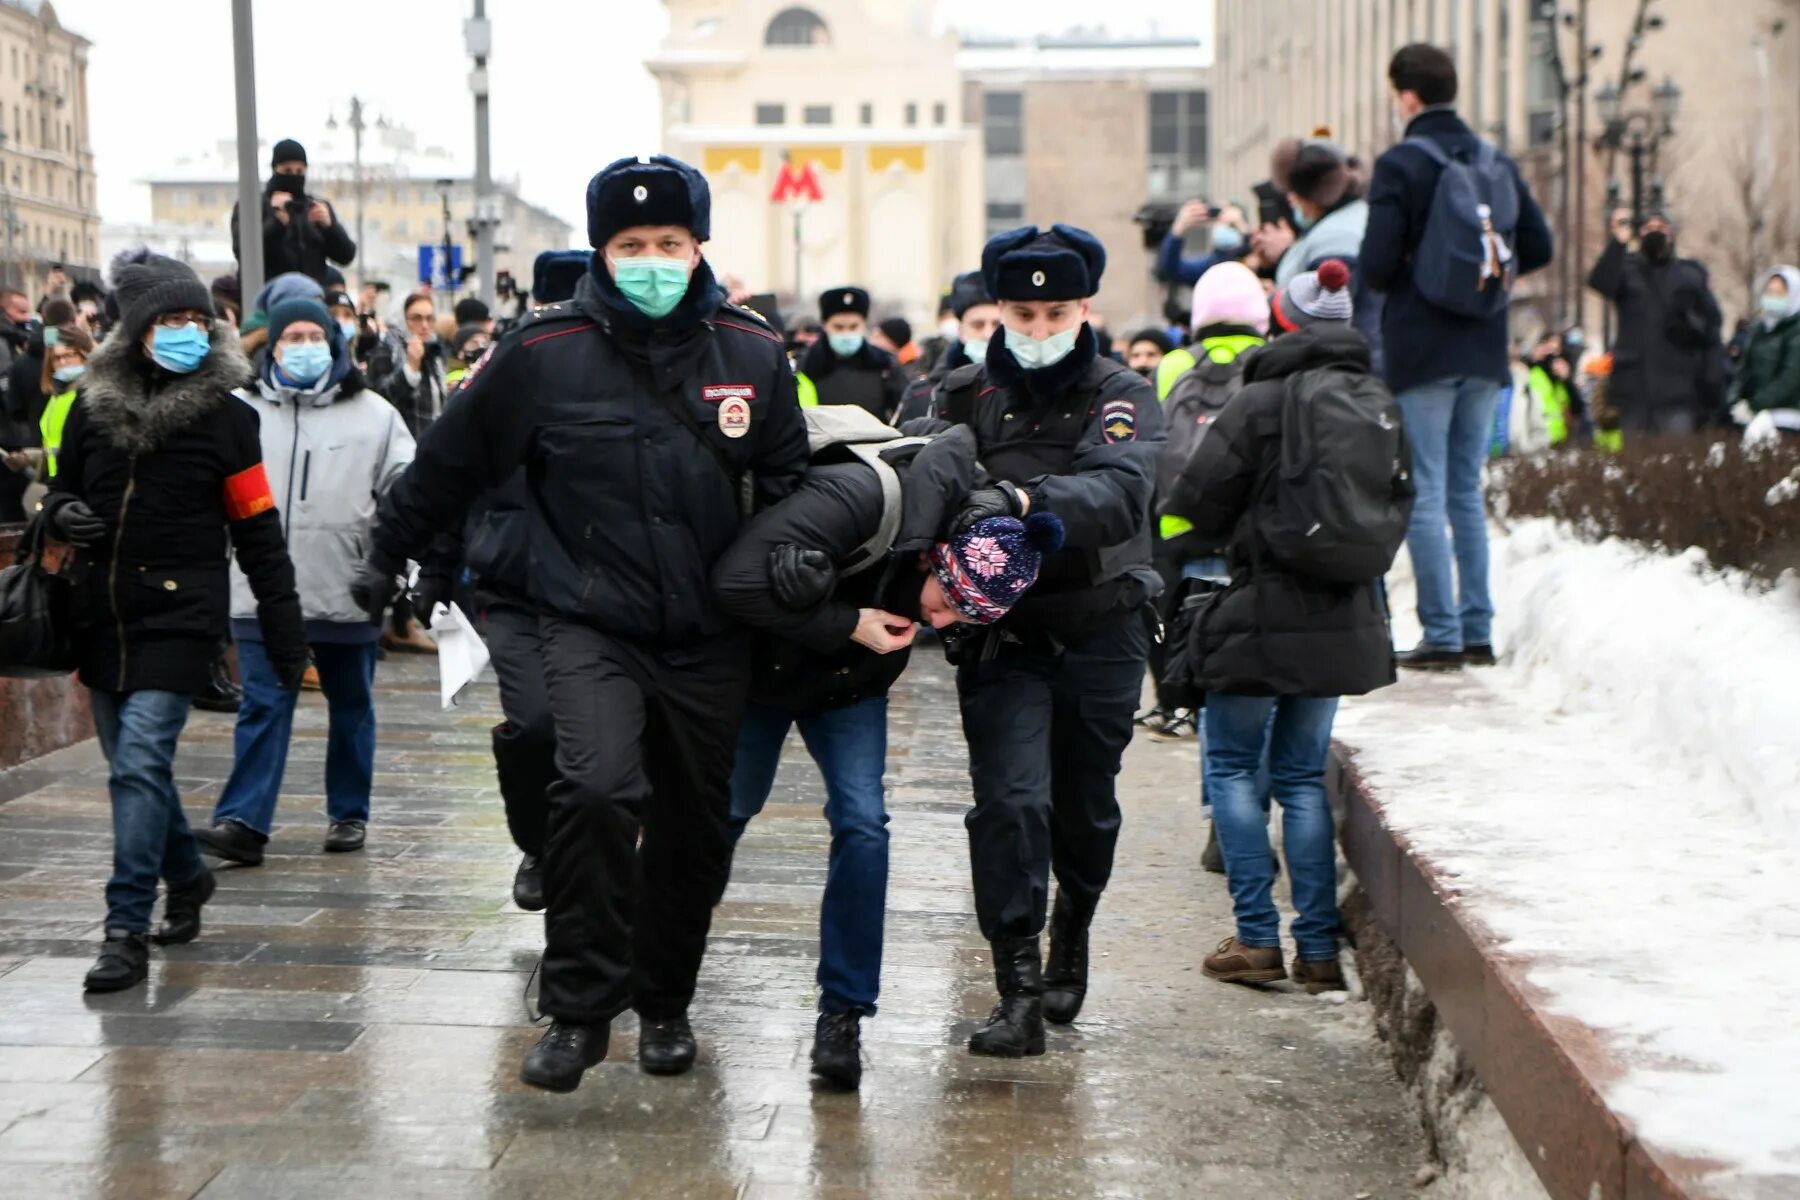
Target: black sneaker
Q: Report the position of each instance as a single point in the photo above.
(124, 962)
(1155, 716)
(666, 1047)
(837, 1050)
(528, 884)
(1479, 655)
(1178, 727)
(565, 1051)
(232, 841)
(1430, 658)
(345, 836)
(181, 910)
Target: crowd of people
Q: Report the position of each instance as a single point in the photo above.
(685, 528)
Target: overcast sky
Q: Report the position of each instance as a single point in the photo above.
(569, 91)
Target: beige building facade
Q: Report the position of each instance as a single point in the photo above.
(1730, 169)
(47, 210)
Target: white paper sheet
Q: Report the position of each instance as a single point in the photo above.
(462, 655)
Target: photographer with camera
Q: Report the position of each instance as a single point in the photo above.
(299, 231)
(1230, 241)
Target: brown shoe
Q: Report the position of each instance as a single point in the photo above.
(1323, 975)
(413, 641)
(1234, 962)
(309, 681)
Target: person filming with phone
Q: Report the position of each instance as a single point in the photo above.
(300, 232)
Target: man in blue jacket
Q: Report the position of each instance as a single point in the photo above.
(1446, 369)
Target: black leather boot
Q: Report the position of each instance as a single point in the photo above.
(232, 841)
(528, 884)
(525, 770)
(1065, 975)
(563, 1053)
(1015, 1029)
(837, 1050)
(124, 962)
(181, 910)
(221, 693)
(666, 1047)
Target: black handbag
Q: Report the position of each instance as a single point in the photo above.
(1180, 685)
(35, 641)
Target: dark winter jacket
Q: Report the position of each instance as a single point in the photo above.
(805, 661)
(419, 402)
(1769, 369)
(630, 503)
(172, 464)
(871, 377)
(1082, 438)
(916, 402)
(1272, 633)
(1422, 343)
(1668, 355)
(298, 245)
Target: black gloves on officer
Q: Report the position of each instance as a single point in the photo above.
(432, 590)
(377, 584)
(1001, 500)
(77, 524)
(801, 579)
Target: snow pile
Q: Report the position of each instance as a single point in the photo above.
(1620, 805)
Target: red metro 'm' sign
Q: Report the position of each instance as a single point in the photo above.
(797, 182)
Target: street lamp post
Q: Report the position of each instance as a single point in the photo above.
(356, 125)
(250, 201)
(478, 36)
(1639, 133)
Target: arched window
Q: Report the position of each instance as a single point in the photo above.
(797, 27)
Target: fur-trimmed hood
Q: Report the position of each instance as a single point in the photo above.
(138, 411)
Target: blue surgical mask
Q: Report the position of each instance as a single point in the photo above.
(654, 285)
(1302, 222)
(1226, 239)
(180, 350)
(976, 350)
(305, 362)
(68, 374)
(1774, 306)
(1034, 355)
(348, 329)
(845, 344)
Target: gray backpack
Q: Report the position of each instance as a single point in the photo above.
(1193, 404)
(838, 433)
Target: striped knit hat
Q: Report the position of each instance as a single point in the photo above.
(987, 567)
(1317, 297)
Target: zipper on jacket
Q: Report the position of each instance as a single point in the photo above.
(112, 578)
(287, 510)
(305, 474)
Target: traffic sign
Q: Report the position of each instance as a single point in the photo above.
(434, 272)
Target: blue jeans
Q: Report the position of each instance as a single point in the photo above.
(266, 722)
(1238, 733)
(850, 746)
(1450, 425)
(138, 732)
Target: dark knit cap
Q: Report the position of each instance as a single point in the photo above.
(301, 309)
(556, 272)
(987, 567)
(837, 300)
(967, 292)
(461, 338)
(655, 190)
(897, 329)
(287, 150)
(470, 311)
(1023, 264)
(1320, 174)
(146, 285)
(339, 299)
(225, 287)
(334, 280)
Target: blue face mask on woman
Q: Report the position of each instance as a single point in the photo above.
(180, 350)
(305, 362)
(1226, 239)
(69, 373)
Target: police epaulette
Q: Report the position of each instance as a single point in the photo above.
(562, 310)
(744, 311)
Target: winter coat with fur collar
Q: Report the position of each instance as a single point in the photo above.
(173, 465)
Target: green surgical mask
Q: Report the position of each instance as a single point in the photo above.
(654, 285)
(1774, 306)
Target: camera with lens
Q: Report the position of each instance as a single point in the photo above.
(1156, 220)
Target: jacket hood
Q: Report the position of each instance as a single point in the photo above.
(1790, 276)
(1312, 347)
(137, 405)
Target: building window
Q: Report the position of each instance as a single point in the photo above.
(817, 114)
(868, 114)
(1003, 123)
(400, 230)
(796, 27)
(771, 114)
(1178, 144)
(1002, 217)
(912, 114)
(940, 113)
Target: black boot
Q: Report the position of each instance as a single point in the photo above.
(837, 1050)
(181, 909)
(124, 962)
(528, 884)
(1015, 1029)
(232, 841)
(666, 1047)
(221, 693)
(1065, 975)
(563, 1053)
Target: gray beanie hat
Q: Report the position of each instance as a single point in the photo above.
(1315, 298)
(146, 285)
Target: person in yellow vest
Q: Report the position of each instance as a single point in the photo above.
(843, 367)
(466, 348)
(66, 350)
(1550, 378)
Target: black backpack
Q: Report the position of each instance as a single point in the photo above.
(1335, 503)
(1193, 404)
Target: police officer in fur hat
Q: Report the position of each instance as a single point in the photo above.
(842, 367)
(1048, 693)
(639, 407)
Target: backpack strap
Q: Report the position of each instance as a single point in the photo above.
(1430, 148)
(875, 550)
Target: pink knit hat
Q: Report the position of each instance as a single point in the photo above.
(1230, 294)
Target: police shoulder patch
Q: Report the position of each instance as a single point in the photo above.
(1118, 420)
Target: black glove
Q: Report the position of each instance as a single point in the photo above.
(288, 672)
(1001, 500)
(431, 591)
(77, 524)
(801, 578)
(377, 584)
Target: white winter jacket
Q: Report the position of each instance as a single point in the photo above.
(331, 451)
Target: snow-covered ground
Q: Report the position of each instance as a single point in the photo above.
(1619, 802)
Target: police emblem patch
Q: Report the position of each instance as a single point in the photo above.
(734, 416)
(1118, 420)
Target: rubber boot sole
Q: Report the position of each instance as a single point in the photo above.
(562, 1084)
(1031, 1049)
(229, 853)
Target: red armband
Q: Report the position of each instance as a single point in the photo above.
(247, 493)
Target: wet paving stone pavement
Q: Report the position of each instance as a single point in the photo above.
(351, 1025)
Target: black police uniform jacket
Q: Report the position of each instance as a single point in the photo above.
(627, 430)
(1082, 438)
(805, 662)
(871, 378)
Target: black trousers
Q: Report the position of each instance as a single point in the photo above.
(524, 743)
(644, 740)
(1046, 734)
